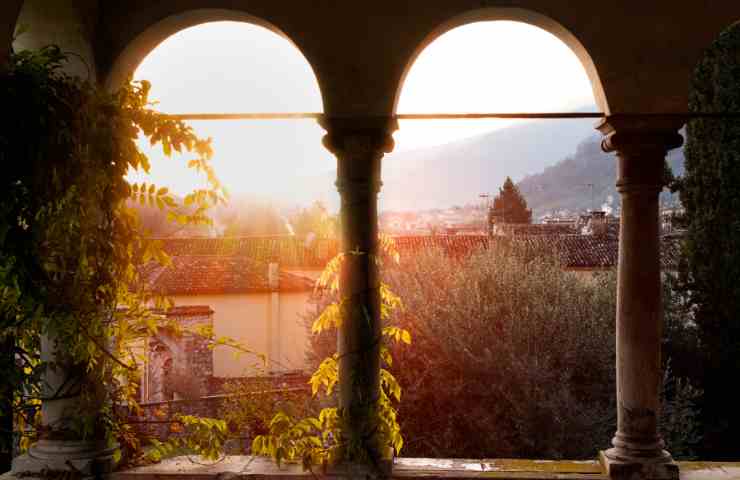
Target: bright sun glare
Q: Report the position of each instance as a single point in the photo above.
(489, 67)
(239, 67)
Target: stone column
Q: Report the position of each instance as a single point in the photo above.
(69, 24)
(641, 143)
(359, 145)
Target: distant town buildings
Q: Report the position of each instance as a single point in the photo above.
(472, 220)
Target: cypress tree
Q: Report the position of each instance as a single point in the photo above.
(710, 192)
(509, 206)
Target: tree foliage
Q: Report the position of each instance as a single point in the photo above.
(314, 221)
(509, 206)
(248, 218)
(710, 193)
(70, 245)
(512, 358)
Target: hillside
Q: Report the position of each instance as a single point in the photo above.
(456, 173)
(567, 184)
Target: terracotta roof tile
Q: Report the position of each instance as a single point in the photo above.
(577, 251)
(218, 274)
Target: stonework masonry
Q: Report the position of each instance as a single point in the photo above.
(179, 365)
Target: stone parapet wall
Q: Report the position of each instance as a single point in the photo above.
(180, 468)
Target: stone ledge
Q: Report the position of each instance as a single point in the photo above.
(232, 467)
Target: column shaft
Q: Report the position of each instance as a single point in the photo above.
(359, 147)
(639, 318)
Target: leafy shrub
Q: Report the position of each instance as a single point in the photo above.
(512, 358)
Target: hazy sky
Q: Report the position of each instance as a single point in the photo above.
(239, 67)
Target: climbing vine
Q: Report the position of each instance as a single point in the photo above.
(319, 440)
(71, 245)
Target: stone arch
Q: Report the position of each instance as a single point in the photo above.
(125, 62)
(159, 362)
(516, 14)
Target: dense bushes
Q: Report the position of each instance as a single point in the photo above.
(512, 357)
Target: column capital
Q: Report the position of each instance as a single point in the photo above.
(641, 143)
(358, 136)
(640, 133)
(359, 144)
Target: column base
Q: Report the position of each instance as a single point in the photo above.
(351, 470)
(622, 468)
(83, 459)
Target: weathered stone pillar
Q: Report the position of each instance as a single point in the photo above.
(359, 145)
(68, 391)
(641, 143)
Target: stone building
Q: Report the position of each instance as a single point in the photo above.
(639, 56)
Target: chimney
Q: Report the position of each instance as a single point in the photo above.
(597, 223)
(273, 276)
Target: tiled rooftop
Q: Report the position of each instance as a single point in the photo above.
(288, 251)
(218, 274)
(575, 250)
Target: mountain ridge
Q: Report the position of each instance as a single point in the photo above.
(457, 172)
